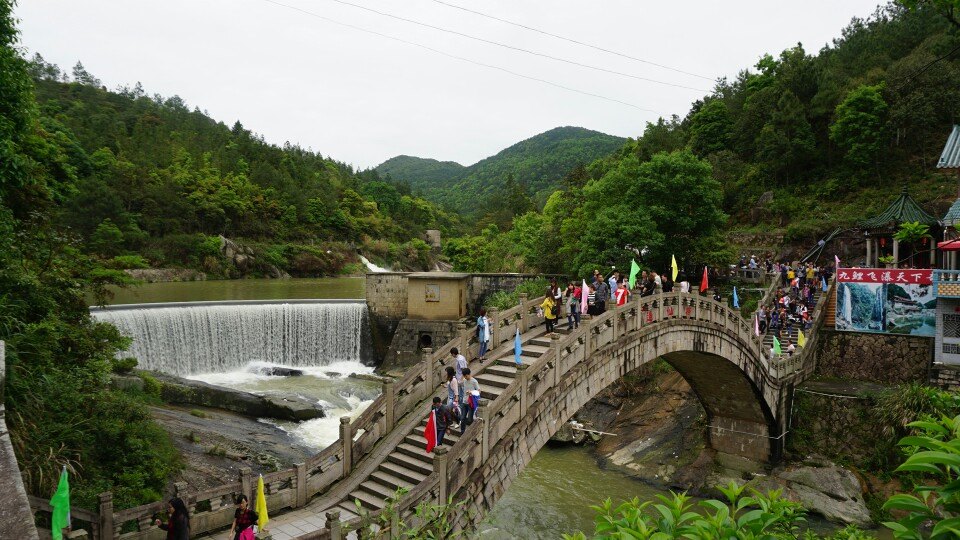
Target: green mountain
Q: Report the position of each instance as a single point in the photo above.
(537, 165)
(149, 176)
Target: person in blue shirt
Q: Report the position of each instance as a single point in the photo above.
(612, 283)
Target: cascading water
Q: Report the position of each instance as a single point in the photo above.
(847, 305)
(218, 338)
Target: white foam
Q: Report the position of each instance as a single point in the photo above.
(372, 267)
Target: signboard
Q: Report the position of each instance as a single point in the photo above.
(432, 293)
(886, 301)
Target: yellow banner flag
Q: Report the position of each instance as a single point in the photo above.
(262, 517)
(801, 339)
(674, 267)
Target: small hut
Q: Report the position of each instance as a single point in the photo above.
(879, 231)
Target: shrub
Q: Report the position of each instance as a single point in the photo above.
(122, 366)
(151, 386)
(123, 262)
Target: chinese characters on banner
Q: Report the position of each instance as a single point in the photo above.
(888, 301)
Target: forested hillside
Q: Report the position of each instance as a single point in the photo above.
(796, 145)
(523, 174)
(146, 175)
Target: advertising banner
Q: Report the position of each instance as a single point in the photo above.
(886, 301)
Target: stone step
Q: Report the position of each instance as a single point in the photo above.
(378, 490)
(451, 437)
(367, 500)
(416, 452)
(405, 474)
(543, 341)
(348, 510)
(490, 393)
(510, 361)
(410, 463)
(388, 479)
(502, 371)
(490, 380)
(534, 351)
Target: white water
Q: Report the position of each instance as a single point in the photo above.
(327, 384)
(847, 306)
(226, 338)
(372, 267)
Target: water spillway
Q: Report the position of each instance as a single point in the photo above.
(215, 337)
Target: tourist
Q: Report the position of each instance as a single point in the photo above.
(684, 284)
(667, 283)
(762, 319)
(601, 297)
(441, 418)
(557, 293)
(549, 311)
(572, 300)
(483, 333)
(642, 283)
(468, 405)
(453, 387)
(753, 262)
(612, 283)
(657, 283)
(178, 520)
(716, 295)
(623, 294)
(244, 518)
(790, 348)
(459, 362)
(591, 300)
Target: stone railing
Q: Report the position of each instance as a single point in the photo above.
(212, 509)
(454, 467)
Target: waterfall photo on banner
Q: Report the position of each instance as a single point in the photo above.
(885, 301)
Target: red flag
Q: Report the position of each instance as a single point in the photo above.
(430, 432)
(704, 284)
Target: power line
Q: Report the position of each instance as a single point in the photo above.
(571, 40)
(461, 58)
(515, 48)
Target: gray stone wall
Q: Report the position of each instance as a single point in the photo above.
(406, 346)
(881, 358)
(386, 294)
(483, 285)
(16, 517)
(946, 377)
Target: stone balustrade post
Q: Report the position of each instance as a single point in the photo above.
(463, 342)
(246, 482)
(481, 416)
(333, 525)
(524, 314)
(301, 484)
(524, 377)
(558, 361)
(106, 515)
(440, 467)
(493, 316)
(428, 382)
(346, 438)
(389, 404)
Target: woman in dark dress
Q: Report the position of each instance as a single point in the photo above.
(178, 522)
(244, 518)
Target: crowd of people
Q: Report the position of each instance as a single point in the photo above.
(791, 308)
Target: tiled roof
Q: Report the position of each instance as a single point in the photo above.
(903, 210)
(950, 158)
(953, 215)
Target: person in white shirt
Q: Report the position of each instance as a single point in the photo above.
(459, 362)
(684, 285)
(790, 348)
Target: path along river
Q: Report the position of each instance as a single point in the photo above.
(550, 497)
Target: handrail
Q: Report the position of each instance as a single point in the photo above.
(295, 486)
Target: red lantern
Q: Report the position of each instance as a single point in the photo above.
(883, 242)
(924, 240)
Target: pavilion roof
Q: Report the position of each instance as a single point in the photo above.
(950, 158)
(903, 210)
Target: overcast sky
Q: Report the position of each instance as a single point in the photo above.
(362, 98)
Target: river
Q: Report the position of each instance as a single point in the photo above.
(551, 496)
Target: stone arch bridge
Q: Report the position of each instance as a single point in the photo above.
(746, 396)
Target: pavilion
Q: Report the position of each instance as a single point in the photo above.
(879, 231)
(950, 160)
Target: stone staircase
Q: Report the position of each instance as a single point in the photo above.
(408, 464)
(794, 332)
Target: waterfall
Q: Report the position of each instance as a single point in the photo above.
(215, 337)
(847, 306)
(372, 267)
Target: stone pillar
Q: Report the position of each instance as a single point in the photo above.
(463, 342)
(896, 253)
(106, 515)
(427, 362)
(333, 525)
(301, 484)
(558, 362)
(246, 482)
(933, 253)
(389, 404)
(869, 251)
(524, 316)
(493, 316)
(524, 378)
(440, 467)
(481, 416)
(346, 438)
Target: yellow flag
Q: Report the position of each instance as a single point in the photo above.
(262, 517)
(801, 339)
(673, 265)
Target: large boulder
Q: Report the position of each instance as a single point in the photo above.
(823, 488)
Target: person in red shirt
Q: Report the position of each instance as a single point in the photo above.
(623, 294)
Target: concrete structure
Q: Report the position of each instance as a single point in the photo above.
(437, 296)
(16, 516)
(945, 372)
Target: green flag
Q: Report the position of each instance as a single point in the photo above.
(60, 502)
(776, 346)
(634, 270)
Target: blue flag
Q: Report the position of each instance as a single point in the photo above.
(823, 283)
(736, 299)
(517, 347)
